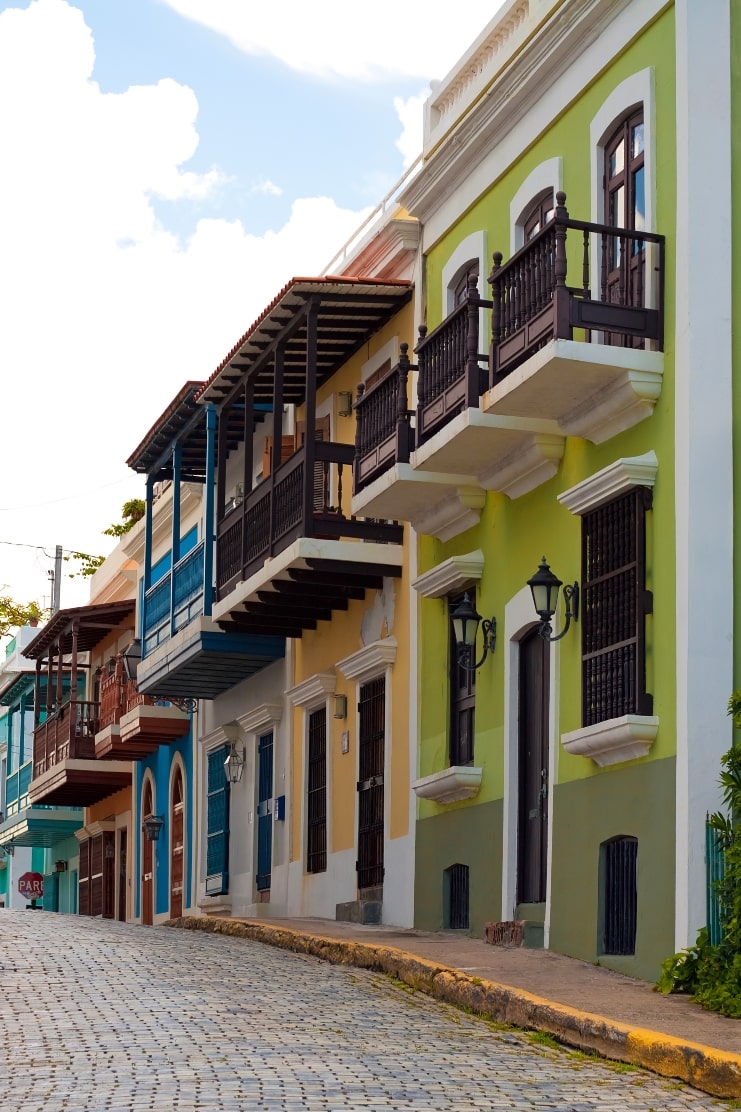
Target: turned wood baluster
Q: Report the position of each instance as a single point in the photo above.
(622, 271)
(640, 247)
(422, 387)
(472, 342)
(585, 264)
(496, 313)
(561, 321)
(603, 270)
(339, 486)
(402, 406)
(360, 447)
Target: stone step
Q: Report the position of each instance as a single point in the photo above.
(359, 911)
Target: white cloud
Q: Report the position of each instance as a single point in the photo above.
(410, 116)
(333, 38)
(267, 186)
(105, 313)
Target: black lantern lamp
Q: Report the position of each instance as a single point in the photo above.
(545, 587)
(152, 826)
(465, 619)
(234, 764)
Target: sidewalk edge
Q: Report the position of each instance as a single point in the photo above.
(717, 1072)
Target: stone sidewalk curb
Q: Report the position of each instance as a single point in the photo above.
(717, 1072)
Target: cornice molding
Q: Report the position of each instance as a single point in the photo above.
(370, 661)
(610, 482)
(558, 38)
(314, 691)
(451, 575)
(267, 714)
(222, 735)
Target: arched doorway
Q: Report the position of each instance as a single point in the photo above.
(177, 807)
(147, 860)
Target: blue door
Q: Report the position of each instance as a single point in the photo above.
(264, 811)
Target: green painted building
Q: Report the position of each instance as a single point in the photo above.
(573, 397)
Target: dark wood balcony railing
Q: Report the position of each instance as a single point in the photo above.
(532, 303)
(119, 695)
(293, 501)
(383, 430)
(67, 733)
(452, 372)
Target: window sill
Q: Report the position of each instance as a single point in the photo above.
(615, 740)
(449, 786)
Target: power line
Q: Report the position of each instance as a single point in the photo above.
(56, 501)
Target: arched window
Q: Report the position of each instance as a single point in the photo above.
(625, 207)
(537, 214)
(470, 270)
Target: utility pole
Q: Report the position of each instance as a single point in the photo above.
(56, 580)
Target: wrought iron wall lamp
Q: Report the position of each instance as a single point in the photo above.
(545, 587)
(465, 619)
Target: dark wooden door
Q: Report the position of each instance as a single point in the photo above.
(147, 863)
(176, 846)
(532, 840)
(371, 746)
(264, 811)
(122, 877)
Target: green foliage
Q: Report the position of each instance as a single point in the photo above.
(131, 512)
(15, 614)
(88, 564)
(712, 974)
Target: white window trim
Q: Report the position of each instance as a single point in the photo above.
(472, 247)
(311, 695)
(369, 662)
(636, 89)
(548, 174)
(611, 482)
(255, 721)
(451, 575)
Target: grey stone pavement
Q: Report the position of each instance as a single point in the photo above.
(99, 1015)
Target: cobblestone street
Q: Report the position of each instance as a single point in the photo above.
(100, 1015)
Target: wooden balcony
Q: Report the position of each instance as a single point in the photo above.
(291, 553)
(65, 770)
(133, 725)
(583, 360)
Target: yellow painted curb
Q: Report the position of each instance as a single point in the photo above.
(713, 1071)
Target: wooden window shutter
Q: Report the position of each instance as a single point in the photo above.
(287, 448)
(615, 605)
(321, 470)
(217, 833)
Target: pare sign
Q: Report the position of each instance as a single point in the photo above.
(31, 886)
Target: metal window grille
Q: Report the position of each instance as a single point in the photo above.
(456, 885)
(715, 868)
(620, 900)
(217, 830)
(615, 604)
(371, 747)
(462, 702)
(264, 814)
(316, 841)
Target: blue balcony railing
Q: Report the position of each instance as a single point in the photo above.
(16, 789)
(175, 600)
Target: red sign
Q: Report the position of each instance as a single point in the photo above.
(31, 886)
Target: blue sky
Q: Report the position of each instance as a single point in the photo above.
(165, 167)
